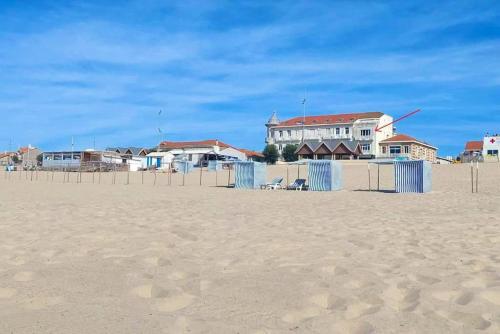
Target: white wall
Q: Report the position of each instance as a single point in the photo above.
(491, 143)
(234, 153)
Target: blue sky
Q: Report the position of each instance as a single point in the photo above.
(218, 69)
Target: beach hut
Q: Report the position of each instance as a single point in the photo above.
(184, 167)
(214, 165)
(249, 174)
(413, 176)
(324, 175)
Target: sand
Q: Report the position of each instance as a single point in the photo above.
(138, 258)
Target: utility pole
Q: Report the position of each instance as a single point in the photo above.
(303, 117)
(160, 140)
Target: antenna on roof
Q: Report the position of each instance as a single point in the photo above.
(159, 130)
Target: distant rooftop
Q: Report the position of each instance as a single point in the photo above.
(331, 119)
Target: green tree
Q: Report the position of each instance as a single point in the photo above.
(270, 154)
(15, 159)
(289, 153)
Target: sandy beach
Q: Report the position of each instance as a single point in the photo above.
(138, 258)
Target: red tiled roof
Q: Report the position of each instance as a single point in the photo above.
(404, 138)
(7, 154)
(331, 119)
(23, 150)
(400, 137)
(474, 146)
(250, 153)
(206, 143)
(191, 144)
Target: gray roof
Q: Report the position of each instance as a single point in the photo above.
(123, 150)
(274, 119)
(332, 144)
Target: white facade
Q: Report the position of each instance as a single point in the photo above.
(231, 152)
(137, 163)
(160, 160)
(194, 154)
(362, 130)
(491, 146)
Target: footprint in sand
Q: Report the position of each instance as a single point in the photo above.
(185, 235)
(298, 316)
(402, 299)
(348, 327)
(426, 279)
(360, 309)
(24, 276)
(6, 293)
(464, 298)
(174, 303)
(335, 270)
(493, 296)
(328, 301)
(483, 280)
(469, 320)
(362, 244)
(166, 300)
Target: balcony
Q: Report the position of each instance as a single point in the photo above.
(396, 155)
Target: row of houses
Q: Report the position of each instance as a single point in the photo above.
(346, 136)
(26, 157)
(137, 158)
(482, 150)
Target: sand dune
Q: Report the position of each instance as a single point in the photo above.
(138, 258)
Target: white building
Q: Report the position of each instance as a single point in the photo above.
(358, 127)
(491, 146)
(159, 160)
(199, 152)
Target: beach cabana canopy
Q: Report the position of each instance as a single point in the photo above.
(249, 174)
(413, 176)
(324, 175)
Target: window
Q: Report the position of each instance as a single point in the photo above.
(406, 149)
(365, 147)
(337, 131)
(366, 132)
(280, 147)
(384, 149)
(289, 133)
(346, 131)
(281, 134)
(492, 152)
(395, 149)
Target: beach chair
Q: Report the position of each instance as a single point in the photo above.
(274, 184)
(299, 185)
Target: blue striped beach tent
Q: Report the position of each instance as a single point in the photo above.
(214, 165)
(413, 176)
(325, 175)
(249, 174)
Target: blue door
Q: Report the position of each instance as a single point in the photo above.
(158, 162)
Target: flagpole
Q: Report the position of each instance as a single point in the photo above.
(303, 117)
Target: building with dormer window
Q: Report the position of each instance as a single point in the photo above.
(355, 129)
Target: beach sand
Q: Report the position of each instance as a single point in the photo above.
(138, 258)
